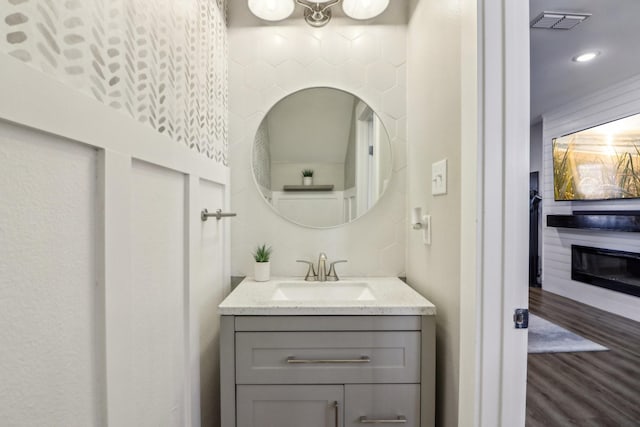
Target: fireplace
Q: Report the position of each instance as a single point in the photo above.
(615, 270)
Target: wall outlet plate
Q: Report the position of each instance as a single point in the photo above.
(439, 177)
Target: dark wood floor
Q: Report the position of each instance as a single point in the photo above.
(588, 388)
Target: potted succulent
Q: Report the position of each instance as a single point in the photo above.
(262, 266)
(307, 176)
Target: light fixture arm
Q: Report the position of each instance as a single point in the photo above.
(317, 14)
(330, 4)
(316, 7)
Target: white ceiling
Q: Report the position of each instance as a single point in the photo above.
(613, 29)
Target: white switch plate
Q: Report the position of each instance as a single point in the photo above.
(439, 177)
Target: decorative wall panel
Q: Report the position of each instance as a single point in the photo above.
(162, 62)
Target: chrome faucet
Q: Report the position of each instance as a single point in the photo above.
(322, 267)
(322, 275)
(332, 275)
(311, 272)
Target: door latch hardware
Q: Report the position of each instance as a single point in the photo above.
(521, 318)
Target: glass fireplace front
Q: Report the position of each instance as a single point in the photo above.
(615, 270)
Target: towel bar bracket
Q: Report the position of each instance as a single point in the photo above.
(218, 214)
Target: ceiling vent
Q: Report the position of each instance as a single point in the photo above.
(559, 20)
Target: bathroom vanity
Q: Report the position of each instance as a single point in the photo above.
(320, 354)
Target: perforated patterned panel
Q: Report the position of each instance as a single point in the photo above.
(162, 62)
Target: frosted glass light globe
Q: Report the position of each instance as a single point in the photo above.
(364, 9)
(271, 10)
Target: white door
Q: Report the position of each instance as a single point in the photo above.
(503, 150)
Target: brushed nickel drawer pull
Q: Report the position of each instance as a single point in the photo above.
(401, 419)
(293, 360)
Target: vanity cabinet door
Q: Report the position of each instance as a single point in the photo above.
(290, 405)
(382, 405)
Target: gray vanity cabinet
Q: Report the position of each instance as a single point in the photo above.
(327, 371)
(382, 404)
(290, 406)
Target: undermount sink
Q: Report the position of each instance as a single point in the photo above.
(322, 291)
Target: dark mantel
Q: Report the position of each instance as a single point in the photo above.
(628, 221)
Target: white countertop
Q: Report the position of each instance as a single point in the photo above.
(392, 297)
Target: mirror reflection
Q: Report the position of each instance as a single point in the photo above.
(322, 157)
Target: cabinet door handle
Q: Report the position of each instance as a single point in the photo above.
(363, 359)
(401, 419)
(336, 405)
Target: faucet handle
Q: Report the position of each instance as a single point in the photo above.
(311, 272)
(333, 276)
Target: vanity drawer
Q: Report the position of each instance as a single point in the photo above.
(327, 357)
(382, 404)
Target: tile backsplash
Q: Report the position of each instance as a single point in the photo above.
(266, 64)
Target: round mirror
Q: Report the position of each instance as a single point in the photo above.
(322, 157)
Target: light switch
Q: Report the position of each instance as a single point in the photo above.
(439, 177)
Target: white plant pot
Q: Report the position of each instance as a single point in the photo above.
(307, 180)
(262, 271)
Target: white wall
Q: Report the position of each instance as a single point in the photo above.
(109, 276)
(616, 102)
(468, 392)
(157, 288)
(211, 287)
(267, 62)
(48, 364)
(134, 337)
(434, 133)
(350, 157)
(315, 209)
(262, 157)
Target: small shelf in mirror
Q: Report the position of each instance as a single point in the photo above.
(326, 187)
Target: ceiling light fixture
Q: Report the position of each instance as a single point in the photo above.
(364, 9)
(271, 10)
(585, 57)
(317, 13)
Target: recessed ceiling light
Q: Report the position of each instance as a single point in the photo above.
(586, 57)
